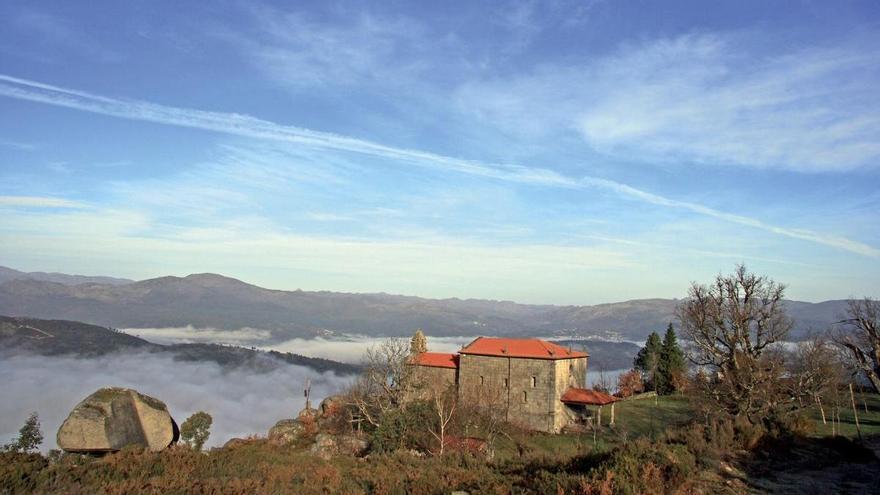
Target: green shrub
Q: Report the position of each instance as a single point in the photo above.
(406, 428)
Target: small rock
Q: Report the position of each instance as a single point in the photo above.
(327, 446)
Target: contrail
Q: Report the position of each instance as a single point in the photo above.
(244, 125)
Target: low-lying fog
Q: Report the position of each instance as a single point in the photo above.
(241, 402)
(347, 349)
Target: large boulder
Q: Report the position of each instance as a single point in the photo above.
(285, 431)
(113, 418)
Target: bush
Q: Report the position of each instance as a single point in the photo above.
(406, 428)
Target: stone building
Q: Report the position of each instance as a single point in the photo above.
(524, 379)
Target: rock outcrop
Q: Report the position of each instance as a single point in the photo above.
(307, 414)
(331, 406)
(113, 418)
(285, 431)
(327, 446)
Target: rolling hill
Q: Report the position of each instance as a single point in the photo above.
(64, 338)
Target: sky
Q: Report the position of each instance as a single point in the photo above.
(563, 152)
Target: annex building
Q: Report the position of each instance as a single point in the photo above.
(534, 383)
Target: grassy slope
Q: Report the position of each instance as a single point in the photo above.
(869, 421)
(633, 419)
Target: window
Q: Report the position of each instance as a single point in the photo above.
(505, 383)
(534, 381)
(525, 396)
(482, 381)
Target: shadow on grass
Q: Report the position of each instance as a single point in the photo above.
(794, 464)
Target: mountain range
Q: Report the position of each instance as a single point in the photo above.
(215, 301)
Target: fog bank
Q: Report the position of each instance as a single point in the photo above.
(241, 401)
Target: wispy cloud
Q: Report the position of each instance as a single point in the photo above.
(17, 145)
(713, 99)
(39, 202)
(247, 126)
(63, 34)
(349, 48)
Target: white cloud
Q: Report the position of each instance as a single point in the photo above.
(356, 48)
(251, 127)
(39, 202)
(17, 145)
(703, 98)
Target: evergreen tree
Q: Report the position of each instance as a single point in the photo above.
(671, 365)
(647, 361)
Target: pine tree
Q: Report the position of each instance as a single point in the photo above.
(671, 364)
(647, 361)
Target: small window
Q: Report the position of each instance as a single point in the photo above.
(534, 381)
(482, 380)
(525, 396)
(505, 383)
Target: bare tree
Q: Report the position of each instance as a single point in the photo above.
(730, 324)
(482, 412)
(385, 382)
(859, 334)
(815, 373)
(444, 401)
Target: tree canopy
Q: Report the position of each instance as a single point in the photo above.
(731, 324)
(196, 430)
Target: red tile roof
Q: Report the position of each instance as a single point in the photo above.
(586, 397)
(521, 348)
(436, 359)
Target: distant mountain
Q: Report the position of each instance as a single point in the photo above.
(60, 337)
(209, 300)
(7, 274)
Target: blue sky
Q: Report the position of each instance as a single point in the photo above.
(547, 152)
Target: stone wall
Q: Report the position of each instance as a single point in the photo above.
(569, 373)
(530, 395)
(432, 378)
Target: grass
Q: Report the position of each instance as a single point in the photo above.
(868, 421)
(633, 419)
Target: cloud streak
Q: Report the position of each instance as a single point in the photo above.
(39, 202)
(251, 127)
